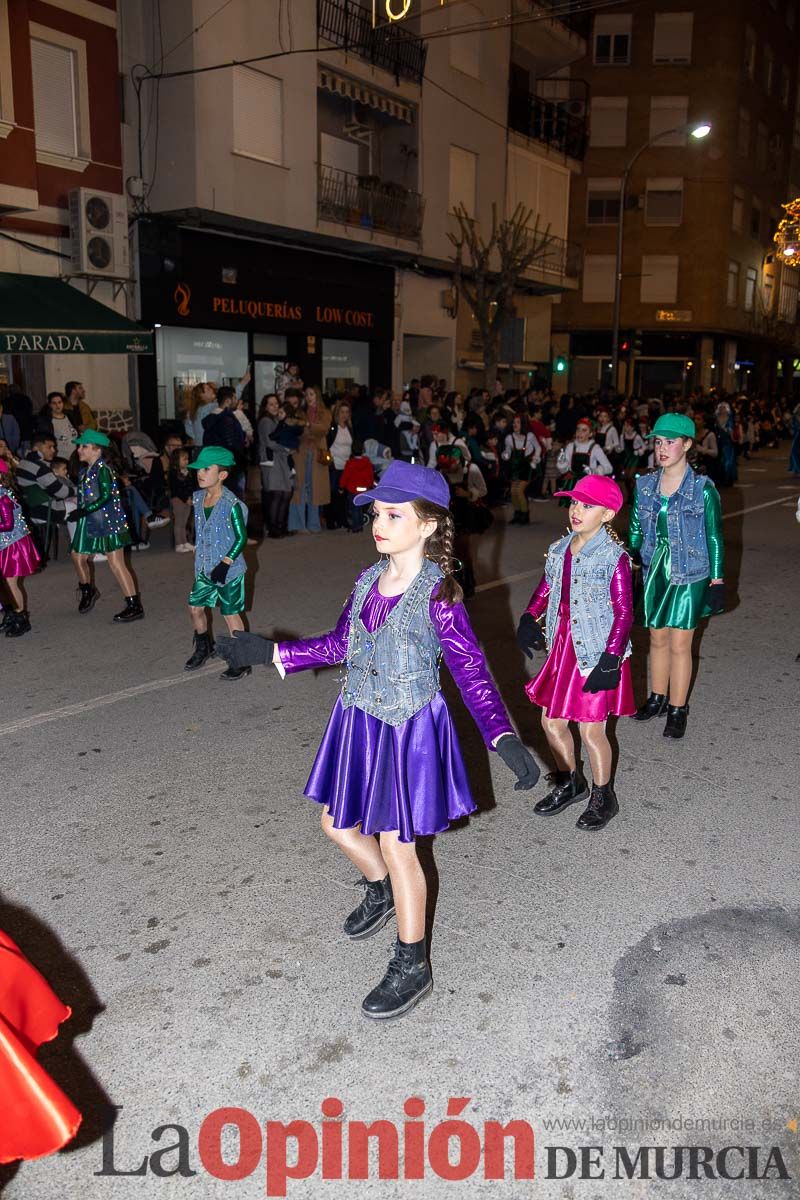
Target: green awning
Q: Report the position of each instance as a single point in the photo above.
(42, 315)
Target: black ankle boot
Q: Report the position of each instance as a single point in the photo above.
(236, 673)
(89, 597)
(407, 980)
(373, 912)
(570, 787)
(18, 624)
(654, 706)
(203, 650)
(132, 611)
(601, 808)
(676, 720)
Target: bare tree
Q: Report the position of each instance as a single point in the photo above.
(487, 272)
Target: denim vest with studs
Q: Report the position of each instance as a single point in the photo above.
(591, 612)
(214, 534)
(394, 672)
(686, 525)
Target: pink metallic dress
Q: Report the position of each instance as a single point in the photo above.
(558, 688)
(21, 557)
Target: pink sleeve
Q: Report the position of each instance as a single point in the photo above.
(538, 601)
(6, 514)
(622, 604)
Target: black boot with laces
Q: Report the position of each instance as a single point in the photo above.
(203, 650)
(89, 595)
(570, 787)
(373, 912)
(601, 808)
(407, 980)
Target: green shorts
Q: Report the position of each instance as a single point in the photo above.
(229, 596)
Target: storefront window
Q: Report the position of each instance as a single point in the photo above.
(185, 357)
(345, 365)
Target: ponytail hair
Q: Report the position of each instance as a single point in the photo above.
(439, 549)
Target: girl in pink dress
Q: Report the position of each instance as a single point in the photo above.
(587, 594)
(18, 556)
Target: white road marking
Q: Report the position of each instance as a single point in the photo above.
(157, 685)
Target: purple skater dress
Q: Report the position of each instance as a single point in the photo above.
(410, 777)
(558, 688)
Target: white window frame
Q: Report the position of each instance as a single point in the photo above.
(608, 104)
(787, 299)
(668, 104)
(608, 188)
(734, 274)
(651, 264)
(81, 160)
(241, 151)
(6, 79)
(591, 261)
(612, 25)
(662, 185)
(750, 282)
(767, 292)
(673, 21)
(472, 208)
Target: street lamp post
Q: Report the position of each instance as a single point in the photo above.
(696, 131)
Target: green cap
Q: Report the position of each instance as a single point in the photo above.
(92, 437)
(673, 425)
(213, 456)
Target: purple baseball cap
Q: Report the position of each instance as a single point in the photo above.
(402, 482)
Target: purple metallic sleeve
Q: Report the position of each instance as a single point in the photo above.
(622, 604)
(466, 663)
(538, 601)
(324, 651)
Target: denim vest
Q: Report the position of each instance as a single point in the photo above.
(394, 672)
(591, 612)
(110, 520)
(686, 525)
(19, 529)
(214, 535)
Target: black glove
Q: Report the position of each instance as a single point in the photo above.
(245, 649)
(529, 634)
(636, 557)
(716, 597)
(78, 514)
(220, 572)
(519, 760)
(605, 676)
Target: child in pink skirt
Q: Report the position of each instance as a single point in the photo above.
(18, 556)
(586, 591)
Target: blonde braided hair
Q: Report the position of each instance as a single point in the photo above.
(439, 549)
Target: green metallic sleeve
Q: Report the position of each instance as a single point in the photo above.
(635, 535)
(716, 546)
(104, 484)
(239, 532)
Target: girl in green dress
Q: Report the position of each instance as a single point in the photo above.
(676, 534)
(101, 527)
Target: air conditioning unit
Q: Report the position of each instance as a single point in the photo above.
(98, 223)
(574, 108)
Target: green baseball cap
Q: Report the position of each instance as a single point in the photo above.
(213, 456)
(673, 425)
(92, 437)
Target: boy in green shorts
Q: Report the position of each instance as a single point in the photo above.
(220, 523)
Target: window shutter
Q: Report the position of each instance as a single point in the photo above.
(659, 279)
(54, 98)
(664, 202)
(598, 278)
(666, 113)
(609, 121)
(463, 176)
(257, 115)
(672, 37)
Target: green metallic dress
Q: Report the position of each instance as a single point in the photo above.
(677, 605)
(108, 494)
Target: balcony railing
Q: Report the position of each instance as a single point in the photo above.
(559, 258)
(347, 24)
(548, 123)
(368, 202)
(575, 14)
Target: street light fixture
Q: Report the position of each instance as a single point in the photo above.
(698, 132)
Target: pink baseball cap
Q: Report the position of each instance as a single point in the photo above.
(596, 489)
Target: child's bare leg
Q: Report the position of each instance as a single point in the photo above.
(408, 886)
(362, 849)
(559, 739)
(659, 661)
(199, 619)
(116, 561)
(81, 562)
(17, 595)
(680, 664)
(598, 747)
(234, 623)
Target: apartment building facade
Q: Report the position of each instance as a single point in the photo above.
(299, 207)
(703, 299)
(60, 131)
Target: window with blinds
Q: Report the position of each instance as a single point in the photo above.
(668, 118)
(257, 115)
(598, 278)
(463, 179)
(659, 279)
(608, 123)
(663, 202)
(55, 104)
(672, 37)
(602, 201)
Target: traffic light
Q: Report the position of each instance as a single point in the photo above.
(637, 342)
(560, 365)
(625, 345)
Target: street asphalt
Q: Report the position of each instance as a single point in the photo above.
(163, 870)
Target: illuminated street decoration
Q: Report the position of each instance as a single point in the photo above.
(787, 235)
(392, 10)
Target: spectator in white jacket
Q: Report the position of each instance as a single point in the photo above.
(583, 456)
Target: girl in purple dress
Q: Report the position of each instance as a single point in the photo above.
(390, 763)
(587, 593)
(18, 556)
